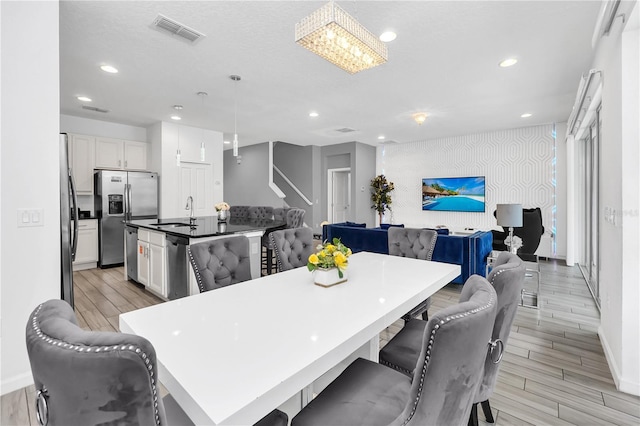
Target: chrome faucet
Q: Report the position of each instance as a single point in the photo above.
(189, 206)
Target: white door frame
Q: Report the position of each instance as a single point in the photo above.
(330, 173)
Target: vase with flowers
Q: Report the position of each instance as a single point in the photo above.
(329, 264)
(222, 208)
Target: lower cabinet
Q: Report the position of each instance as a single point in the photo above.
(87, 248)
(152, 261)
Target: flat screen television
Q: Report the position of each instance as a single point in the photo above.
(453, 194)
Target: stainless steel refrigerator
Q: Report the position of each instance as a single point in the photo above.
(68, 223)
(119, 197)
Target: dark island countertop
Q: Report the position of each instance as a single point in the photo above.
(207, 226)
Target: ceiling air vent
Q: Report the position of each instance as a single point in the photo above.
(176, 28)
(345, 130)
(90, 108)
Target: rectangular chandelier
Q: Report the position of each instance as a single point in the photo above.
(333, 34)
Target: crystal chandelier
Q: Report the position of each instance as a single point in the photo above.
(333, 34)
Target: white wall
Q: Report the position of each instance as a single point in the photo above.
(91, 127)
(30, 272)
(517, 165)
(618, 57)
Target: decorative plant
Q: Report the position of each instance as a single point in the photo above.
(380, 189)
(330, 256)
(222, 206)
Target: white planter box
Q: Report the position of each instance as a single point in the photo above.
(328, 277)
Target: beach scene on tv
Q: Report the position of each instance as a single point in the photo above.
(464, 194)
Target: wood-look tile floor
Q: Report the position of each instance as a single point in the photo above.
(554, 371)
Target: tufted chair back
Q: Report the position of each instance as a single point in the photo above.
(449, 369)
(220, 262)
(280, 214)
(416, 244)
(239, 212)
(292, 247)
(260, 212)
(295, 218)
(90, 377)
(507, 278)
(410, 242)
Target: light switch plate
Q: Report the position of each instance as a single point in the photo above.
(30, 217)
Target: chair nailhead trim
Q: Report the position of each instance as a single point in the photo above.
(56, 342)
(196, 271)
(430, 346)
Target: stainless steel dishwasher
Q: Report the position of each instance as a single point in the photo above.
(177, 267)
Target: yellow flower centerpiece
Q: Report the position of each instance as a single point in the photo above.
(330, 263)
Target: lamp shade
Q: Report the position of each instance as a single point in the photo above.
(509, 215)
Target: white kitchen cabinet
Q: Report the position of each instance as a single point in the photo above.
(196, 181)
(135, 155)
(152, 261)
(120, 154)
(143, 261)
(82, 159)
(87, 249)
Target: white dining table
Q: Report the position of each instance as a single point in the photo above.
(232, 355)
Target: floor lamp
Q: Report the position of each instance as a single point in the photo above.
(509, 215)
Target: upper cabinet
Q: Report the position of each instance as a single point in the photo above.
(82, 161)
(120, 154)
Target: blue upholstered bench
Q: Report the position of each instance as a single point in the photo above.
(468, 251)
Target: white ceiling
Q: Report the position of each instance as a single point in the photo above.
(444, 62)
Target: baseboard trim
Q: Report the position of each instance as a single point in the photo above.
(622, 384)
(16, 382)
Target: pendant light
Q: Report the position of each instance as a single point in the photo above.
(202, 148)
(178, 154)
(236, 79)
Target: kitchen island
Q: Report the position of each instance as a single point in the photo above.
(156, 253)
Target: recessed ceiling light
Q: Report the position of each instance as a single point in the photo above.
(381, 137)
(176, 117)
(83, 99)
(508, 62)
(420, 117)
(227, 142)
(313, 114)
(526, 115)
(388, 36)
(177, 107)
(109, 69)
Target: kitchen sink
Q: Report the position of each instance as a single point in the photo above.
(171, 224)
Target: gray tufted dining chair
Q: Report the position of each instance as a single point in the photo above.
(445, 380)
(97, 377)
(220, 262)
(295, 218)
(507, 277)
(292, 247)
(416, 244)
(280, 214)
(239, 212)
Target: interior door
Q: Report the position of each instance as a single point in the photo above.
(196, 181)
(341, 196)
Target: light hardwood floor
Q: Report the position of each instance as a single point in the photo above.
(554, 371)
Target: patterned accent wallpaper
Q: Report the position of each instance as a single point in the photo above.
(517, 165)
